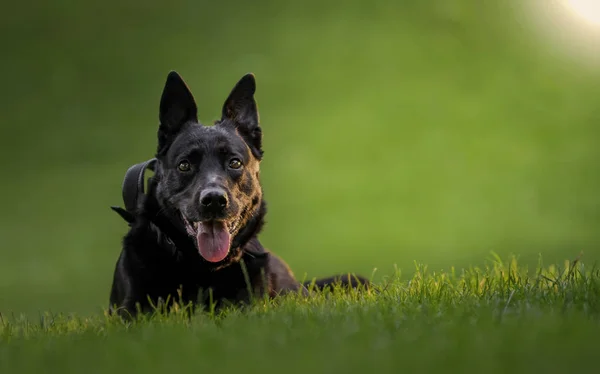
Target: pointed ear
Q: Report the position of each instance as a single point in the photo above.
(177, 108)
(240, 109)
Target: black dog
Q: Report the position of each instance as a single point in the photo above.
(193, 234)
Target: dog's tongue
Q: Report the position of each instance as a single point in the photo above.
(213, 240)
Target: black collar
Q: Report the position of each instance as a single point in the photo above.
(133, 190)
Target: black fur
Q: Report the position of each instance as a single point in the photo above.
(197, 180)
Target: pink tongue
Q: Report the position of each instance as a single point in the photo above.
(213, 240)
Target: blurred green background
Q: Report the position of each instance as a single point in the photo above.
(395, 131)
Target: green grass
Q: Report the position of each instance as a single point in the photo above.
(496, 319)
(433, 131)
(395, 131)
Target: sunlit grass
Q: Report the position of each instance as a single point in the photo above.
(394, 131)
(492, 313)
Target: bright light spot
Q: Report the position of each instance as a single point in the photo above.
(589, 10)
(568, 29)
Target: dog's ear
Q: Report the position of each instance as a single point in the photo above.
(240, 110)
(177, 108)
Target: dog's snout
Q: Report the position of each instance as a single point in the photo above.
(213, 198)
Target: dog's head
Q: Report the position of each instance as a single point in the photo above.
(208, 176)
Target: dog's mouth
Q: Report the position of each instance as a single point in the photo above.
(212, 238)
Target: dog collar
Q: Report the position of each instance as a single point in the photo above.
(133, 189)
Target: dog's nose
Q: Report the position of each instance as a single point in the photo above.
(213, 198)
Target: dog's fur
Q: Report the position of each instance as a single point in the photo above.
(161, 258)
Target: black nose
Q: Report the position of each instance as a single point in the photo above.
(213, 198)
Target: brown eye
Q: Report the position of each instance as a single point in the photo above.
(184, 166)
(235, 163)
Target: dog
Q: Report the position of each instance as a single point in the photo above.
(193, 236)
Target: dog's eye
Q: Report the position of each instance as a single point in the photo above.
(235, 163)
(184, 166)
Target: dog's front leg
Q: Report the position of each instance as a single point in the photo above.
(127, 295)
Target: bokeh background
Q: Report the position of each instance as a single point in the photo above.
(395, 131)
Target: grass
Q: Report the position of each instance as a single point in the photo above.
(475, 131)
(495, 319)
(394, 131)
